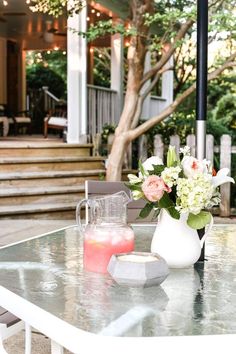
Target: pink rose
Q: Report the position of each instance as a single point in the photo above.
(154, 187)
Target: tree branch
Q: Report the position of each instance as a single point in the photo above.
(143, 128)
(166, 56)
(145, 94)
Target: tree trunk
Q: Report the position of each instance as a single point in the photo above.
(136, 58)
(116, 158)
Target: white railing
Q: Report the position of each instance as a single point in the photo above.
(102, 108)
(224, 151)
(50, 100)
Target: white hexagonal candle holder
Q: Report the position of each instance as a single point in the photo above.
(138, 269)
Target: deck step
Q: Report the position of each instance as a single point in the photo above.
(30, 164)
(42, 195)
(44, 149)
(49, 178)
(39, 211)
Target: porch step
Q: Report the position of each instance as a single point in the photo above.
(35, 164)
(30, 149)
(49, 178)
(41, 195)
(54, 211)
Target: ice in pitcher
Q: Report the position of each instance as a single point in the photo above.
(101, 244)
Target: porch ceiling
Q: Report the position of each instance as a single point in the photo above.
(18, 23)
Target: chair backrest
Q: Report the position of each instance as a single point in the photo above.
(95, 188)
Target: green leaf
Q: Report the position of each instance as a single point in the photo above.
(146, 211)
(134, 187)
(166, 203)
(141, 168)
(200, 220)
(157, 170)
(171, 157)
(155, 214)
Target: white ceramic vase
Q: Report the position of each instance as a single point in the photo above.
(176, 242)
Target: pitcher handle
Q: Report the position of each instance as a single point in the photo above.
(208, 230)
(77, 213)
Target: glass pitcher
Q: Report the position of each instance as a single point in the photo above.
(106, 231)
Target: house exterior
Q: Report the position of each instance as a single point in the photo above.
(89, 107)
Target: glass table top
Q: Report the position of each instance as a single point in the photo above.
(48, 272)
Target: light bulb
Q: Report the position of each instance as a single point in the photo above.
(5, 2)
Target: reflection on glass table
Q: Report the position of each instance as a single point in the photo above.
(45, 275)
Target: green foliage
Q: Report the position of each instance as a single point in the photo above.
(102, 28)
(166, 203)
(56, 8)
(101, 68)
(226, 111)
(200, 220)
(39, 76)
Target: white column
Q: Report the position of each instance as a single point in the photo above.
(77, 79)
(117, 71)
(168, 83)
(146, 104)
(3, 71)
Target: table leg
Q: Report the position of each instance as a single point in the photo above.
(28, 338)
(56, 348)
(2, 350)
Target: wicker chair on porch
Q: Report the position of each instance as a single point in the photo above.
(56, 119)
(21, 120)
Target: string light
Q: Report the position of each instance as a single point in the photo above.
(93, 11)
(64, 52)
(5, 2)
(27, 2)
(91, 50)
(88, 18)
(49, 52)
(98, 14)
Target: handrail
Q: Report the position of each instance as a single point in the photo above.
(101, 88)
(45, 88)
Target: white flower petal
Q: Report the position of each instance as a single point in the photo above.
(222, 177)
(153, 160)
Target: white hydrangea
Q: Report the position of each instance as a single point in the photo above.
(170, 175)
(194, 194)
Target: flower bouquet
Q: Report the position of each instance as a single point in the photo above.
(185, 185)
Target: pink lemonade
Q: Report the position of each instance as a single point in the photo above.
(101, 243)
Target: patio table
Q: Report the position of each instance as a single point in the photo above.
(42, 281)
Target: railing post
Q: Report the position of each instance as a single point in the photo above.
(210, 148)
(191, 142)
(225, 161)
(175, 141)
(158, 146)
(142, 148)
(45, 99)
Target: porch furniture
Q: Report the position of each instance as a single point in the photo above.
(56, 119)
(11, 325)
(4, 121)
(43, 282)
(21, 120)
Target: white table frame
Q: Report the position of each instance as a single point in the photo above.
(78, 341)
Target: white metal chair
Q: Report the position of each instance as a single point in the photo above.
(11, 325)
